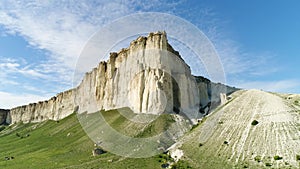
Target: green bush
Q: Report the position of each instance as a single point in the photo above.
(245, 165)
(164, 158)
(257, 158)
(254, 122)
(194, 126)
(268, 164)
(2, 128)
(298, 157)
(277, 157)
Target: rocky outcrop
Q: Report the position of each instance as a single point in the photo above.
(58, 107)
(4, 117)
(212, 94)
(149, 77)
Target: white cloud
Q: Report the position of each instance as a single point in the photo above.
(9, 100)
(10, 66)
(289, 85)
(62, 28)
(5, 81)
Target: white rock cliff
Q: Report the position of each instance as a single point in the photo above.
(149, 77)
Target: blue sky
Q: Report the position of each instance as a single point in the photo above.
(257, 41)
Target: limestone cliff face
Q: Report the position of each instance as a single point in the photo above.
(4, 116)
(219, 92)
(149, 77)
(56, 108)
(212, 94)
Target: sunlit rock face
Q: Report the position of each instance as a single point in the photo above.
(149, 77)
(58, 107)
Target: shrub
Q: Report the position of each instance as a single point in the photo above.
(194, 126)
(298, 157)
(268, 164)
(200, 144)
(2, 128)
(277, 157)
(245, 165)
(164, 158)
(165, 165)
(254, 122)
(257, 158)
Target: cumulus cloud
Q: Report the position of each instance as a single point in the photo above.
(9, 67)
(60, 29)
(63, 27)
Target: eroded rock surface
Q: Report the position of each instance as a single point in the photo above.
(149, 77)
(4, 116)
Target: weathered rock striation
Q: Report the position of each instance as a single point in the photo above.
(149, 77)
(212, 94)
(58, 107)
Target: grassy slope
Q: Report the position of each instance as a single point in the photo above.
(129, 128)
(49, 145)
(64, 144)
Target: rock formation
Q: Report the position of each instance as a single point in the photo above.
(149, 77)
(4, 117)
(58, 107)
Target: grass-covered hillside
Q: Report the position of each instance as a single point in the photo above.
(254, 129)
(64, 144)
